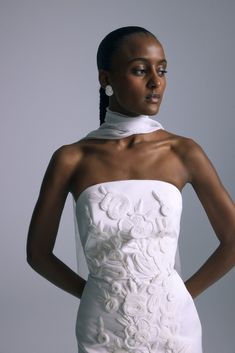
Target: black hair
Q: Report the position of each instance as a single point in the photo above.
(108, 46)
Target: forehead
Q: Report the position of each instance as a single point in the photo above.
(138, 45)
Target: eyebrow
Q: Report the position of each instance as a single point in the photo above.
(162, 61)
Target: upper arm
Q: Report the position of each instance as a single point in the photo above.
(212, 194)
(47, 212)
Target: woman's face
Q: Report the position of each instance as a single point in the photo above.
(137, 76)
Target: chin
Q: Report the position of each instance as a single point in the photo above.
(151, 109)
(152, 112)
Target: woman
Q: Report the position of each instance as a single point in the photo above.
(126, 179)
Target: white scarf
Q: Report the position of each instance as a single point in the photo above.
(117, 126)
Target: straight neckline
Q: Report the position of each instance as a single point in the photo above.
(126, 180)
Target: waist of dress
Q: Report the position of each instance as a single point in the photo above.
(139, 279)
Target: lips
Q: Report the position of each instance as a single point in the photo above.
(153, 98)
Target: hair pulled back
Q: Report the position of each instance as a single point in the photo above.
(106, 50)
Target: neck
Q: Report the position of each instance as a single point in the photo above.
(124, 115)
(117, 118)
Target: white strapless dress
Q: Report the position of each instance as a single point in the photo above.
(134, 300)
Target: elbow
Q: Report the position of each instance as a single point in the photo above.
(36, 259)
(29, 255)
(30, 259)
(33, 259)
(229, 248)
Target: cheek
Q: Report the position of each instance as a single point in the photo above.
(130, 89)
(164, 83)
(131, 95)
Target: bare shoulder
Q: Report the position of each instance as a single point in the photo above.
(60, 171)
(67, 157)
(190, 154)
(194, 158)
(183, 146)
(200, 169)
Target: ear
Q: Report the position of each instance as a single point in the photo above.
(103, 78)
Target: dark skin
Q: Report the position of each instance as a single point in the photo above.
(138, 68)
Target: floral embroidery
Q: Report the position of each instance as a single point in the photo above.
(111, 304)
(136, 226)
(164, 210)
(133, 254)
(102, 336)
(134, 305)
(116, 205)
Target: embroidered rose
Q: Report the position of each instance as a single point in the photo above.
(100, 256)
(111, 305)
(103, 338)
(131, 342)
(136, 226)
(116, 288)
(115, 255)
(115, 205)
(142, 336)
(134, 305)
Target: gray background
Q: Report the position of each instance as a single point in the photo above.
(49, 97)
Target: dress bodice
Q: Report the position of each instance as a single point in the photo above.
(129, 228)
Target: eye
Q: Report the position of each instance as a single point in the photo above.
(161, 72)
(139, 71)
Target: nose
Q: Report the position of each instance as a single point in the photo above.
(154, 81)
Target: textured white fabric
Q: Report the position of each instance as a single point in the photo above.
(134, 300)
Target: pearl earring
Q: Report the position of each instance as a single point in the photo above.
(108, 90)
